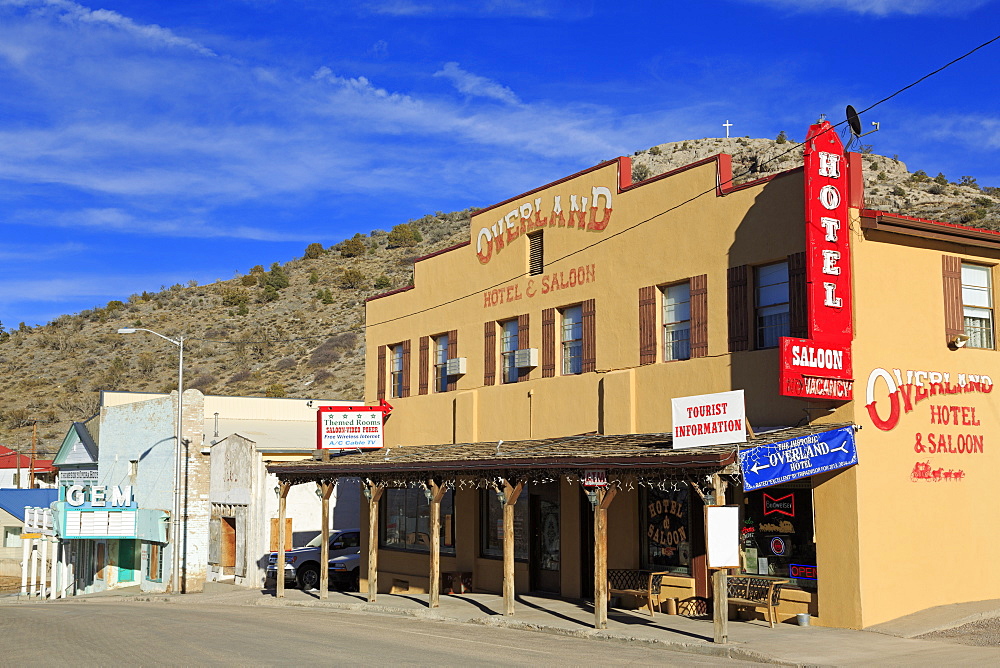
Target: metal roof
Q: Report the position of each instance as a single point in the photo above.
(14, 501)
(640, 454)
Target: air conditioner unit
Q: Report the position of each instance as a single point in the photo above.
(455, 366)
(526, 358)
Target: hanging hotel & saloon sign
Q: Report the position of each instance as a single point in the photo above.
(819, 367)
(776, 463)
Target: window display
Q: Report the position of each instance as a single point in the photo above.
(491, 528)
(406, 521)
(666, 529)
(778, 535)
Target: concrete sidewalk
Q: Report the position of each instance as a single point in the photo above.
(787, 644)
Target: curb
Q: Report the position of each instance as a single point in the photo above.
(719, 651)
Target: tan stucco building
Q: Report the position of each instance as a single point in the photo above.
(586, 305)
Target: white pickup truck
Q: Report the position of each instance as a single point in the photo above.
(302, 563)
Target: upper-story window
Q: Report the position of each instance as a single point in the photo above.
(536, 254)
(771, 304)
(572, 339)
(977, 305)
(508, 350)
(677, 321)
(441, 363)
(396, 377)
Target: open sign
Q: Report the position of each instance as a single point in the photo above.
(802, 572)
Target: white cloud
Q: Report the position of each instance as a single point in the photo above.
(70, 12)
(520, 8)
(39, 253)
(190, 226)
(475, 85)
(881, 7)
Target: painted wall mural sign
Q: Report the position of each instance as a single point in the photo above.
(955, 427)
(543, 285)
(819, 367)
(589, 212)
(775, 463)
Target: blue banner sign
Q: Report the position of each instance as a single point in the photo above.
(775, 463)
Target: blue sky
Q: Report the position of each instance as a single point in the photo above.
(150, 143)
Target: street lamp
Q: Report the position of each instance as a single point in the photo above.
(176, 519)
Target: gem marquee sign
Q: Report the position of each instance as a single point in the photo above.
(819, 367)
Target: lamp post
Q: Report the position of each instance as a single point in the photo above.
(176, 514)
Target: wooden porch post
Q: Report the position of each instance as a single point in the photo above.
(374, 492)
(510, 493)
(326, 489)
(279, 564)
(436, 493)
(601, 500)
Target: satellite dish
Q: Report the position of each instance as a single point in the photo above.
(853, 121)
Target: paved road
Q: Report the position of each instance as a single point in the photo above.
(157, 633)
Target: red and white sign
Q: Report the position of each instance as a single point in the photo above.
(816, 370)
(805, 371)
(350, 427)
(709, 419)
(594, 478)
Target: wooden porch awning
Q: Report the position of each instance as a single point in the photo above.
(635, 455)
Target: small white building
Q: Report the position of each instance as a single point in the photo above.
(228, 503)
(243, 435)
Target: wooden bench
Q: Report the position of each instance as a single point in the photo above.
(645, 584)
(755, 592)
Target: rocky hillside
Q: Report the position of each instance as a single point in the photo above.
(889, 186)
(294, 328)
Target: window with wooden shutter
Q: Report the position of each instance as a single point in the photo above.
(589, 336)
(647, 325)
(548, 343)
(738, 308)
(406, 369)
(798, 307)
(489, 353)
(699, 316)
(536, 254)
(452, 354)
(423, 374)
(523, 341)
(951, 276)
(380, 370)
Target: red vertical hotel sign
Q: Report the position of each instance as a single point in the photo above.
(820, 367)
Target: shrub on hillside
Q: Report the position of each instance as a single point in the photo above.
(353, 247)
(234, 296)
(286, 363)
(383, 282)
(240, 376)
(314, 251)
(404, 235)
(352, 279)
(275, 391)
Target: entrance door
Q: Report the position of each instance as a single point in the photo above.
(545, 539)
(127, 560)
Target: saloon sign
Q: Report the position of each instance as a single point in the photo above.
(819, 367)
